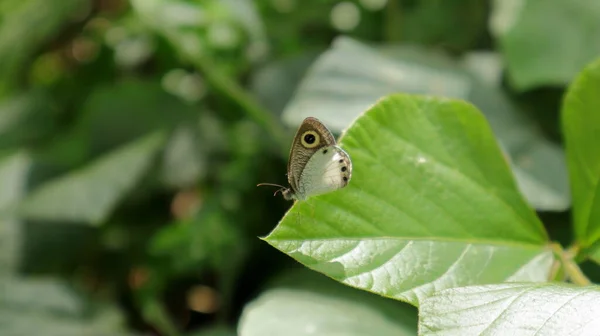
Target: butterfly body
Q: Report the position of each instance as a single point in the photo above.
(317, 165)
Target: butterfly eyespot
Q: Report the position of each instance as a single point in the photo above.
(344, 168)
(324, 151)
(345, 179)
(341, 161)
(310, 139)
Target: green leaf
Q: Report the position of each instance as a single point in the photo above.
(213, 331)
(25, 117)
(184, 160)
(18, 41)
(453, 24)
(431, 205)
(308, 304)
(131, 109)
(546, 42)
(14, 173)
(208, 239)
(33, 306)
(581, 124)
(350, 77)
(90, 194)
(512, 309)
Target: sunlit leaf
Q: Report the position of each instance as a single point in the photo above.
(431, 205)
(306, 304)
(581, 125)
(546, 42)
(350, 77)
(512, 309)
(90, 194)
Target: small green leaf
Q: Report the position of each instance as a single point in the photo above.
(546, 42)
(581, 126)
(309, 304)
(90, 195)
(512, 309)
(350, 77)
(431, 205)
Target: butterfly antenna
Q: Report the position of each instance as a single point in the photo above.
(270, 184)
(281, 188)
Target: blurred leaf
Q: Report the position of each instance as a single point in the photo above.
(128, 110)
(208, 240)
(19, 41)
(275, 83)
(31, 306)
(431, 205)
(214, 331)
(546, 42)
(457, 24)
(512, 309)
(24, 117)
(302, 303)
(581, 126)
(90, 194)
(183, 159)
(14, 170)
(182, 24)
(350, 77)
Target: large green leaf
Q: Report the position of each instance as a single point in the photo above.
(301, 304)
(431, 204)
(546, 42)
(18, 40)
(90, 194)
(512, 309)
(350, 77)
(49, 307)
(581, 126)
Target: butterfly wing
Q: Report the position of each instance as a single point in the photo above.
(302, 150)
(327, 170)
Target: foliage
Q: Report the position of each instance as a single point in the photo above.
(133, 134)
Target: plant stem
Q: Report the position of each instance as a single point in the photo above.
(242, 98)
(392, 25)
(572, 270)
(154, 312)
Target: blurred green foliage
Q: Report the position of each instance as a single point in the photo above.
(133, 134)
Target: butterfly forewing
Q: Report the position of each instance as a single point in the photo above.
(303, 148)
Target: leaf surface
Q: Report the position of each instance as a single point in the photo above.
(581, 126)
(90, 194)
(546, 42)
(512, 309)
(431, 205)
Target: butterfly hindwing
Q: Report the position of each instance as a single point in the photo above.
(327, 170)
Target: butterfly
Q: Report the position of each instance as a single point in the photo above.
(317, 165)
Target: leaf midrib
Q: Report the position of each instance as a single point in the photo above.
(434, 239)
